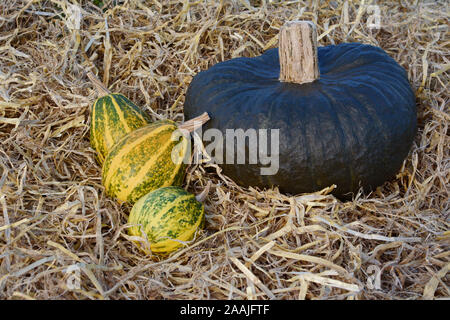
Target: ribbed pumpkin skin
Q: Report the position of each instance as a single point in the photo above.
(165, 214)
(142, 162)
(352, 127)
(112, 117)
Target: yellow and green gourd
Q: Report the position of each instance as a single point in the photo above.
(168, 216)
(145, 159)
(113, 116)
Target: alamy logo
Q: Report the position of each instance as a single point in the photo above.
(374, 281)
(237, 146)
(73, 279)
(374, 19)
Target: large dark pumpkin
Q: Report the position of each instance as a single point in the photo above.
(352, 127)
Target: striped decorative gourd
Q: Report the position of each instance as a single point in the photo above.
(144, 160)
(167, 216)
(112, 117)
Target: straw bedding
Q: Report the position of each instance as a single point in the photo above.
(257, 244)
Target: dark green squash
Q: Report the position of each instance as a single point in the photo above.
(352, 127)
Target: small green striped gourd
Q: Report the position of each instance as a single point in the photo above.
(144, 160)
(112, 117)
(169, 216)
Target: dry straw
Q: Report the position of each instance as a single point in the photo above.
(258, 244)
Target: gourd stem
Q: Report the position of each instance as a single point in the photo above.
(298, 52)
(195, 123)
(101, 89)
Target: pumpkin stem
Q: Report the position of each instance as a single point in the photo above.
(298, 52)
(101, 89)
(195, 123)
